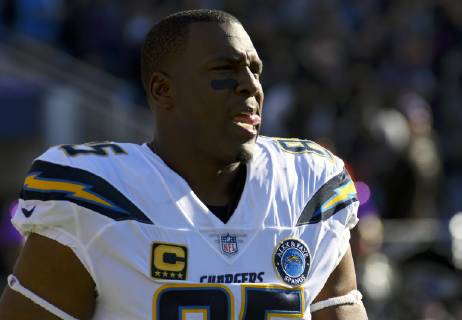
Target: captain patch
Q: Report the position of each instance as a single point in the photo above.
(169, 261)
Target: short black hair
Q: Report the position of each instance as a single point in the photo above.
(167, 37)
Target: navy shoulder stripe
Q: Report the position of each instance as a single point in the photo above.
(50, 181)
(336, 194)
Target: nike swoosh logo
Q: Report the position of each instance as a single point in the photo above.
(27, 213)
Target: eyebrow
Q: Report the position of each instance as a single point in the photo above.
(235, 59)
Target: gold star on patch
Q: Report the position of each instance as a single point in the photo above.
(165, 274)
(180, 275)
(172, 274)
(157, 273)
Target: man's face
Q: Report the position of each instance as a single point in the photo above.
(217, 92)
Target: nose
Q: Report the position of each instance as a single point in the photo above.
(248, 84)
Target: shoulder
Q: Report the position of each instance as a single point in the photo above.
(72, 193)
(92, 155)
(104, 159)
(303, 158)
(319, 179)
(89, 176)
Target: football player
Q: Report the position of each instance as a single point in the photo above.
(207, 221)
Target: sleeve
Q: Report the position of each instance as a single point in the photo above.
(50, 205)
(73, 199)
(333, 205)
(57, 220)
(326, 220)
(330, 189)
(324, 203)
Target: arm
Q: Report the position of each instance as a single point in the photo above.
(340, 282)
(54, 273)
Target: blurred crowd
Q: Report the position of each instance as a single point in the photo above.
(378, 82)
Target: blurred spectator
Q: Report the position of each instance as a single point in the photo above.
(41, 19)
(7, 16)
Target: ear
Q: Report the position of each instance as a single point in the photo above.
(160, 90)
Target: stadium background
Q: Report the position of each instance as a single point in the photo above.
(377, 82)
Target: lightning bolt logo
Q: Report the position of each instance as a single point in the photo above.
(341, 194)
(72, 189)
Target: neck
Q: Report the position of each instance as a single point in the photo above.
(215, 183)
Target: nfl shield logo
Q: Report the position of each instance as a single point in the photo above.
(229, 244)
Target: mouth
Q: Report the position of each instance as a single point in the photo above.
(248, 122)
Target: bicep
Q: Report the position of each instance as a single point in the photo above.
(54, 273)
(340, 282)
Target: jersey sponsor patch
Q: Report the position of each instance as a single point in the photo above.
(169, 261)
(336, 194)
(292, 261)
(48, 181)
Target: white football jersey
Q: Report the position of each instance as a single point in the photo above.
(155, 251)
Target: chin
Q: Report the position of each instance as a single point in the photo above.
(243, 155)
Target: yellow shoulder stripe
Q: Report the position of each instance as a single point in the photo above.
(76, 189)
(342, 193)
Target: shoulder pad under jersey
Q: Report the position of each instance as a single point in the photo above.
(77, 174)
(320, 179)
